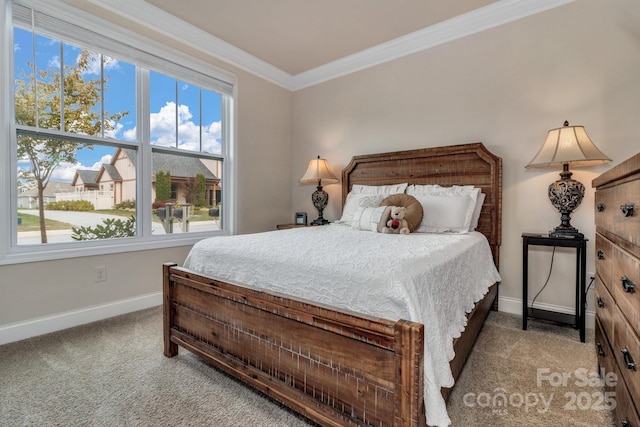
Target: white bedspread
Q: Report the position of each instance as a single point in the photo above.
(433, 279)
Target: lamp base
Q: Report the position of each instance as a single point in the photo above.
(320, 221)
(320, 199)
(566, 195)
(566, 232)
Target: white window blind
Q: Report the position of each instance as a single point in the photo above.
(65, 31)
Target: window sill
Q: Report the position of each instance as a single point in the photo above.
(77, 250)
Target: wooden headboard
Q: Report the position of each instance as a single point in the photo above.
(467, 164)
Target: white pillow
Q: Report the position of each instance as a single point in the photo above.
(354, 201)
(370, 219)
(476, 211)
(378, 189)
(448, 216)
(446, 213)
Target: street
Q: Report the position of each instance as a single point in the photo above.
(91, 219)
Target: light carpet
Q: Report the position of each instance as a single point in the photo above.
(113, 373)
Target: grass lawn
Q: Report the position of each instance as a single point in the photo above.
(32, 223)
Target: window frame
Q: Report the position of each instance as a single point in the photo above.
(155, 57)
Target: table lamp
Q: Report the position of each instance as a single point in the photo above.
(565, 146)
(319, 173)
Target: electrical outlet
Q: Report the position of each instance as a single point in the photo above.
(100, 273)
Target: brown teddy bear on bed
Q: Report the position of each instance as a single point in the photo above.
(397, 224)
(408, 220)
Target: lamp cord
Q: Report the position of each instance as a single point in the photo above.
(548, 277)
(586, 292)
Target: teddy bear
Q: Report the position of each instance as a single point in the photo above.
(396, 223)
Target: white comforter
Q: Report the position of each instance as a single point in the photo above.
(433, 279)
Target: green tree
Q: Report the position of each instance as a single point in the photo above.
(163, 186)
(65, 100)
(201, 190)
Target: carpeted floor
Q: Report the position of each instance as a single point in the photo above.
(113, 373)
(547, 376)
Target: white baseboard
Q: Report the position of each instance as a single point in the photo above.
(514, 306)
(44, 325)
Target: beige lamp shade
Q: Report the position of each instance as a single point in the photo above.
(568, 145)
(318, 173)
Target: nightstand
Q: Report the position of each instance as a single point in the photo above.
(287, 226)
(577, 320)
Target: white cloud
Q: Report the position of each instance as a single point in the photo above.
(129, 134)
(54, 62)
(116, 129)
(163, 130)
(97, 165)
(65, 171)
(94, 63)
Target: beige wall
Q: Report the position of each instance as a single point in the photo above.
(505, 87)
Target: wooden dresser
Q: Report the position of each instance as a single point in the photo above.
(617, 217)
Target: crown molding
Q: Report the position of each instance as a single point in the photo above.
(155, 19)
(491, 16)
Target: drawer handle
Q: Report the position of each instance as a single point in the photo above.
(628, 286)
(600, 349)
(600, 254)
(628, 360)
(625, 423)
(600, 207)
(601, 303)
(628, 209)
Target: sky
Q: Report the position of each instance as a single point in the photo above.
(167, 95)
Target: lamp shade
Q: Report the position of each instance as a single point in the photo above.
(568, 145)
(318, 173)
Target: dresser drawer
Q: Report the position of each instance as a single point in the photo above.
(625, 410)
(604, 258)
(626, 414)
(605, 307)
(625, 286)
(626, 348)
(614, 211)
(606, 360)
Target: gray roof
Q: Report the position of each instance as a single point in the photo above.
(179, 166)
(112, 171)
(87, 176)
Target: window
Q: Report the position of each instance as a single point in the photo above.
(112, 145)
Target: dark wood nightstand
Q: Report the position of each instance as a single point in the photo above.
(531, 239)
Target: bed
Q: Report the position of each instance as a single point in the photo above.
(335, 365)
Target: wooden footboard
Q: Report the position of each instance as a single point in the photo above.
(336, 368)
